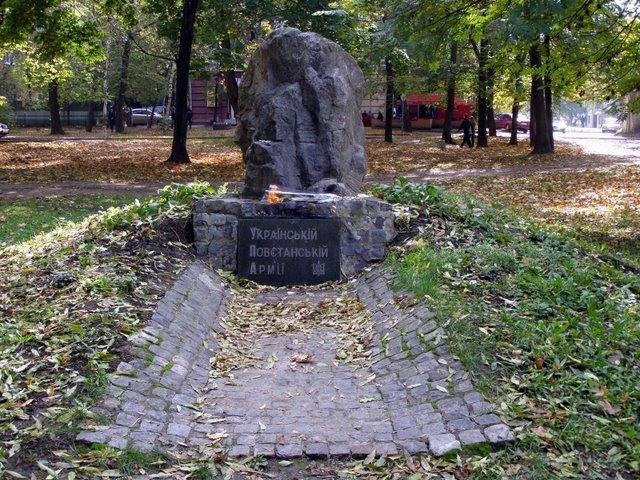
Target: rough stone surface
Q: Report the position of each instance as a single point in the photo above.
(444, 443)
(411, 394)
(299, 119)
(367, 226)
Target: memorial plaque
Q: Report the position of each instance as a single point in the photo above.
(289, 251)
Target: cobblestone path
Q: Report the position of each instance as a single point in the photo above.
(296, 395)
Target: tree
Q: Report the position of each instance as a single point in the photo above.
(389, 101)
(229, 77)
(541, 141)
(491, 117)
(517, 94)
(481, 51)
(179, 152)
(548, 94)
(119, 108)
(51, 32)
(451, 93)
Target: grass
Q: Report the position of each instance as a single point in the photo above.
(68, 298)
(131, 460)
(549, 328)
(599, 207)
(23, 219)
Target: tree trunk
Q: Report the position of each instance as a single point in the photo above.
(532, 122)
(54, 109)
(91, 118)
(388, 115)
(179, 152)
(406, 118)
(105, 86)
(482, 94)
(548, 97)
(168, 104)
(541, 141)
(515, 106)
(491, 117)
(515, 109)
(124, 83)
(153, 112)
(451, 94)
(230, 83)
(231, 86)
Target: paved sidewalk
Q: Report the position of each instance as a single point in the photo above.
(297, 394)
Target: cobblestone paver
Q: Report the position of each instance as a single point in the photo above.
(171, 362)
(413, 395)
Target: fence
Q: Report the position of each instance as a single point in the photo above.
(42, 118)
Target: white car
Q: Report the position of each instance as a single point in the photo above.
(611, 125)
(140, 116)
(559, 126)
(4, 130)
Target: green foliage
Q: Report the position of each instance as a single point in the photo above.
(170, 197)
(550, 329)
(203, 473)
(6, 112)
(131, 460)
(401, 191)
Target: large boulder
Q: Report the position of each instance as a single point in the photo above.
(299, 119)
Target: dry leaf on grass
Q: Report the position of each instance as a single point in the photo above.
(301, 358)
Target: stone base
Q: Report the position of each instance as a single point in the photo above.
(367, 226)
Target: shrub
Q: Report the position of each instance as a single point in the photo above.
(6, 112)
(175, 196)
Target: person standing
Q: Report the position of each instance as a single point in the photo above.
(189, 117)
(466, 128)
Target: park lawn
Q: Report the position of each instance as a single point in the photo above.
(99, 132)
(140, 160)
(23, 219)
(68, 298)
(215, 158)
(600, 206)
(549, 329)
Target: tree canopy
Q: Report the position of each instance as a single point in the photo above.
(525, 54)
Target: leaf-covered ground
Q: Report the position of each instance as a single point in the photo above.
(538, 315)
(215, 158)
(601, 205)
(549, 329)
(130, 160)
(67, 301)
(598, 196)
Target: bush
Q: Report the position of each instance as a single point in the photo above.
(402, 191)
(175, 196)
(6, 112)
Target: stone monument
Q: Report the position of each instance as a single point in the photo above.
(300, 219)
(299, 120)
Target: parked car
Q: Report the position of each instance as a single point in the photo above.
(611, 125)
(503, 122)
(140, 116)
(4, 130)
(559, 126)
